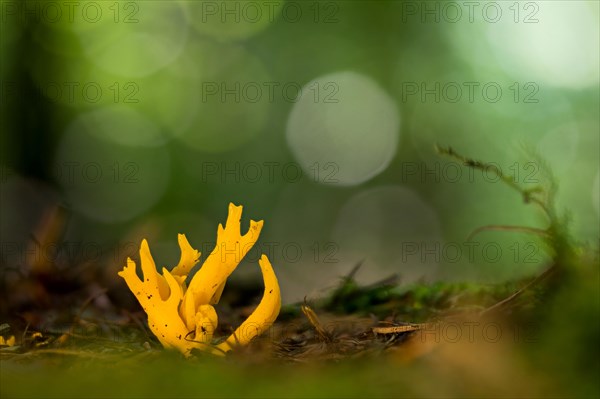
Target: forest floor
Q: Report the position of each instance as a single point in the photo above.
(440, 340)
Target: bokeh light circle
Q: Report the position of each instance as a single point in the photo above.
(554, 43)
(344, 119)
(561, 48)
(106, 181)
(169, 97)
(132, 38)
(390, 228)
(124, 126)
(234, 97)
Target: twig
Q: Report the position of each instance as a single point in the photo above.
(316, 323)
(517, 294)
(398, 329)
(499, 227)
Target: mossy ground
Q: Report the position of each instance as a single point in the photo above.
(547, 348)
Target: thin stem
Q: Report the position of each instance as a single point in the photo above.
(518, 293)
(499, 227)
(526, 194)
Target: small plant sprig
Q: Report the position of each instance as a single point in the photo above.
(555, 234)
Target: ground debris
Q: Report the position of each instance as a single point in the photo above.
(351, 322)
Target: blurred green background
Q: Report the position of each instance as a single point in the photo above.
(146, 118)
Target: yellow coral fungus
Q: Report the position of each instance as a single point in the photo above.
(183, 317)
(8, 341)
